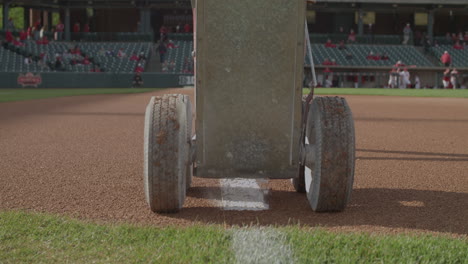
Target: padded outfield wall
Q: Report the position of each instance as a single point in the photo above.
(92, 80)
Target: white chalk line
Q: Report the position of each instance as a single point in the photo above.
(243, 194)
(261, 245)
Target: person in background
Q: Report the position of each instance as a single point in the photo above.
(162, 52)
(86, 61)
(393, 78)
(23, 36)
(406, 78)
(170, 44)
(446, 79)
(60, 27)
(134, 57)
(10, 24)
(352, 36)
(342, 45)
(406, 34)
(458, 46)
(9, 36)
(329, 44)
(121, 53)
(86, 28)
(454, 78)
(28, 60)
(326, 62)
(163, 32)
(417, 82)
(446, 59)
(139, 68)
(399, 64)
(187, 28)
(76, 27)
(137, 80)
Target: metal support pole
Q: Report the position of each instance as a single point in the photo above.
(67, 24)
(430, 25)
(360, 23)
(6, 9)
(309, 55)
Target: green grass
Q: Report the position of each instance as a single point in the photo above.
(38, 238)
(27, 238)
(391, 92)
(9, 95)
(325, 247)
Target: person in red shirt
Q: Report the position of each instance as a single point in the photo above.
(134, 57)
(76, 28)
(60, 28)
(399, 64)
(446, 59)
(352, 36)
(86, 28)
(37, 25)
(23, 36)
(139, 68)
(86, 61)
(96, 69)
(43, 41)
(163, 32)
(329, 44)
(458, 46)
(446, 79)
(170, 45)
(187, 28)
(326, 62)
(17, 43)
(9, 36)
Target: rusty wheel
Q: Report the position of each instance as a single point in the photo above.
(166, 152)
(329, 142)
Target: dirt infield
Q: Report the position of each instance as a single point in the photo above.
(83, 157)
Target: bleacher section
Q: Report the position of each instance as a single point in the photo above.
(365, 39)
(459, 57)
(13, 62)
(110, 62)
(181, 56)
(407, 54)
(101, 55)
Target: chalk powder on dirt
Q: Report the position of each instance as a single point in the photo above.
(244, 194)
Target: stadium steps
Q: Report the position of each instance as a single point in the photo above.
(153, 61)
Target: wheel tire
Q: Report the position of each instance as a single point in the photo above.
(330, 128)
(166, 152)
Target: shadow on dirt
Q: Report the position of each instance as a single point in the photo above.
(394, 208)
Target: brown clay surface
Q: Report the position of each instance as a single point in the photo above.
(82, 157)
